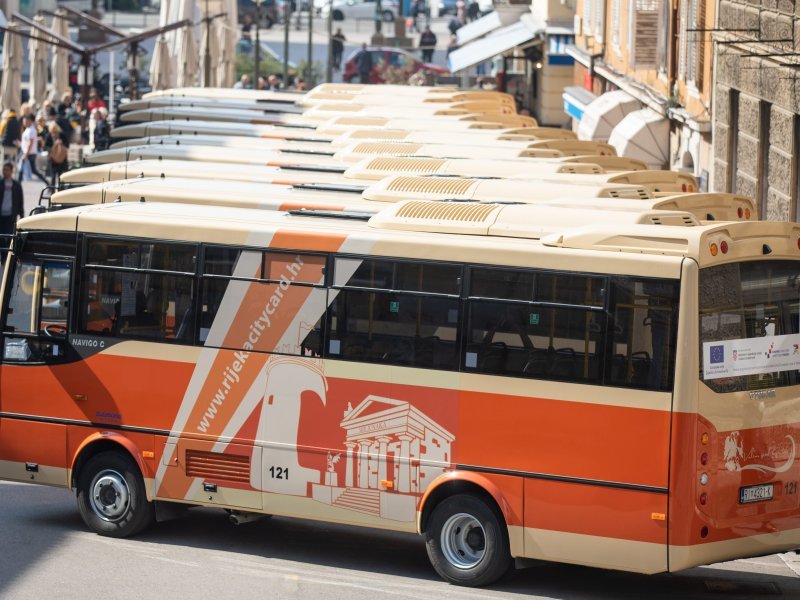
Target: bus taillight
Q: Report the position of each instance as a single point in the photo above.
(703, 498)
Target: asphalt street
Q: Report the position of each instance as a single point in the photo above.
(46, 552)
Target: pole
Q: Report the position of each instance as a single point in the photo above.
(257, 55)
(378, 17)
(310, 52)
(287, 16)
(207, 57)
(111, 71)
(329, 66)
(133, 73)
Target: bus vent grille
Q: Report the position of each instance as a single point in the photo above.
(216, 466)
(356, 120)
(445, 186)
(405, 165)
(634, 193)
(675, 220)
(339, 107)
(385, 148)
(446, 211)
(369, 134)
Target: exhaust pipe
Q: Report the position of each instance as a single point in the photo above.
(240, 518)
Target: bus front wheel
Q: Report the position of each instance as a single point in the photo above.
(111, 496)
(467, 541)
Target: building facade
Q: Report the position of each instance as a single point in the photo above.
(659, 54)
(756, 105)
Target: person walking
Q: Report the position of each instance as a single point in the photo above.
(56, 153)
(364, 63)
(30, 149)
(10, 134)
(11, 205)
(337, 46)
(427, 43)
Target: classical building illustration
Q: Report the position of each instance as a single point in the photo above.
(392, 453)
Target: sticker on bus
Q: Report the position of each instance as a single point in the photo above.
(751, 356)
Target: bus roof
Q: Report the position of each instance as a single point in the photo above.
(630, 248)
(719, 207)
(477, 136)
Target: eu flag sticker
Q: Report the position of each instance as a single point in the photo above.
(717, 354)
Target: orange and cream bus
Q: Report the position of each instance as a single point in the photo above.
(622, 396)
(709, 206)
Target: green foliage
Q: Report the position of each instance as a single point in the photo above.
(245, 63)
(125, 5)
(317, 72)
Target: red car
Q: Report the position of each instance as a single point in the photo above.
(389, 65)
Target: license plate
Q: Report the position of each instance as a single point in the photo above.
(755, 493)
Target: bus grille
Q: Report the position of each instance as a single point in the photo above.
(385, 148)
(216, 466)
(445, 186)
(405, 165)
(446, 211)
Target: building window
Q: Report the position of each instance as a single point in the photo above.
(733, 139)
(643, 28)
(664, 38)
(762, 192)
(694, 43)
(616, 9)
(599, 20)
(588, 17)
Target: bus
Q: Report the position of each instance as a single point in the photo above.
(708, 206)
(367, 169)
(623, 396)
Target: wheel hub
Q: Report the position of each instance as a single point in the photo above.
(110, 496)
(463, 541)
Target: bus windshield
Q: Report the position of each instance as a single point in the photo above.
(749, 325)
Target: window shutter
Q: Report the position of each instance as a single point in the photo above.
(683, 40)
(644, 54)
(615, 24)
(599, 19)
(700, 43)
(588, 17)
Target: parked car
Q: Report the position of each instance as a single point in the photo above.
(389, 65)
(447, 7)
(266, 15)
(361, 9)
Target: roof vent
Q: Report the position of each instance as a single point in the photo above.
(445, 186)
(371, 134)
(443, 217)
(385, 148)
(446, 211)
(406, 165)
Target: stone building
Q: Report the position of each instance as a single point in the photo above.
(756, 104)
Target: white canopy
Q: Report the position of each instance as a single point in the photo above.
(161, 66)
(11, 86)
(643, 134)
(604, 113)
(60, 64)
(37, 54)
(188, 61)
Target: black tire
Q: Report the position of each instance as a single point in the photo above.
(338, 15)
(111, 496)
(388, 16)
(467, 541)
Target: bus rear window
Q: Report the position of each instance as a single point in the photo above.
(749, 325)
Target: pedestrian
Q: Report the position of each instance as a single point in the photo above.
(243, 83)
(473, 11)
(102, 132)
(412, 21)
(452, 45)
(12, 204)
(10, 135)
(364, 63)
(95, 101)
(274, 82)
(262, 84)
(247, 26)
(64, 123)
(56, 154)
(454, 24)
(427, 43)
(30, 148)
(337, 46)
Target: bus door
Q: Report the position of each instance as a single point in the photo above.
(34, 345)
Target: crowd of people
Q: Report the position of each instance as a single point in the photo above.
(35, 143)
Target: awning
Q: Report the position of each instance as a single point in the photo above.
(604, 113)
(499, 42)
(478, 28)
(643, 134)
(576, 99)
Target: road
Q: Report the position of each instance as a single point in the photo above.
(45, 551)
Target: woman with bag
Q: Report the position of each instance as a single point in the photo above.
(56, 153)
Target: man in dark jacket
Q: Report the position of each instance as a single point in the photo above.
(427, 43)
(364, 63)
(10, 134)
(337, 45)
(11, 203)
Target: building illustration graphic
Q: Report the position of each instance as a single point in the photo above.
(392, 453)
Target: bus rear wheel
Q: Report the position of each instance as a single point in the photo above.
(111, 496)
(467, 542)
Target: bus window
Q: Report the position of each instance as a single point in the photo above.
(37, 311)
(547, 326)
(645, 315)
(137, 305)
(396, 312)
(223, 261)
